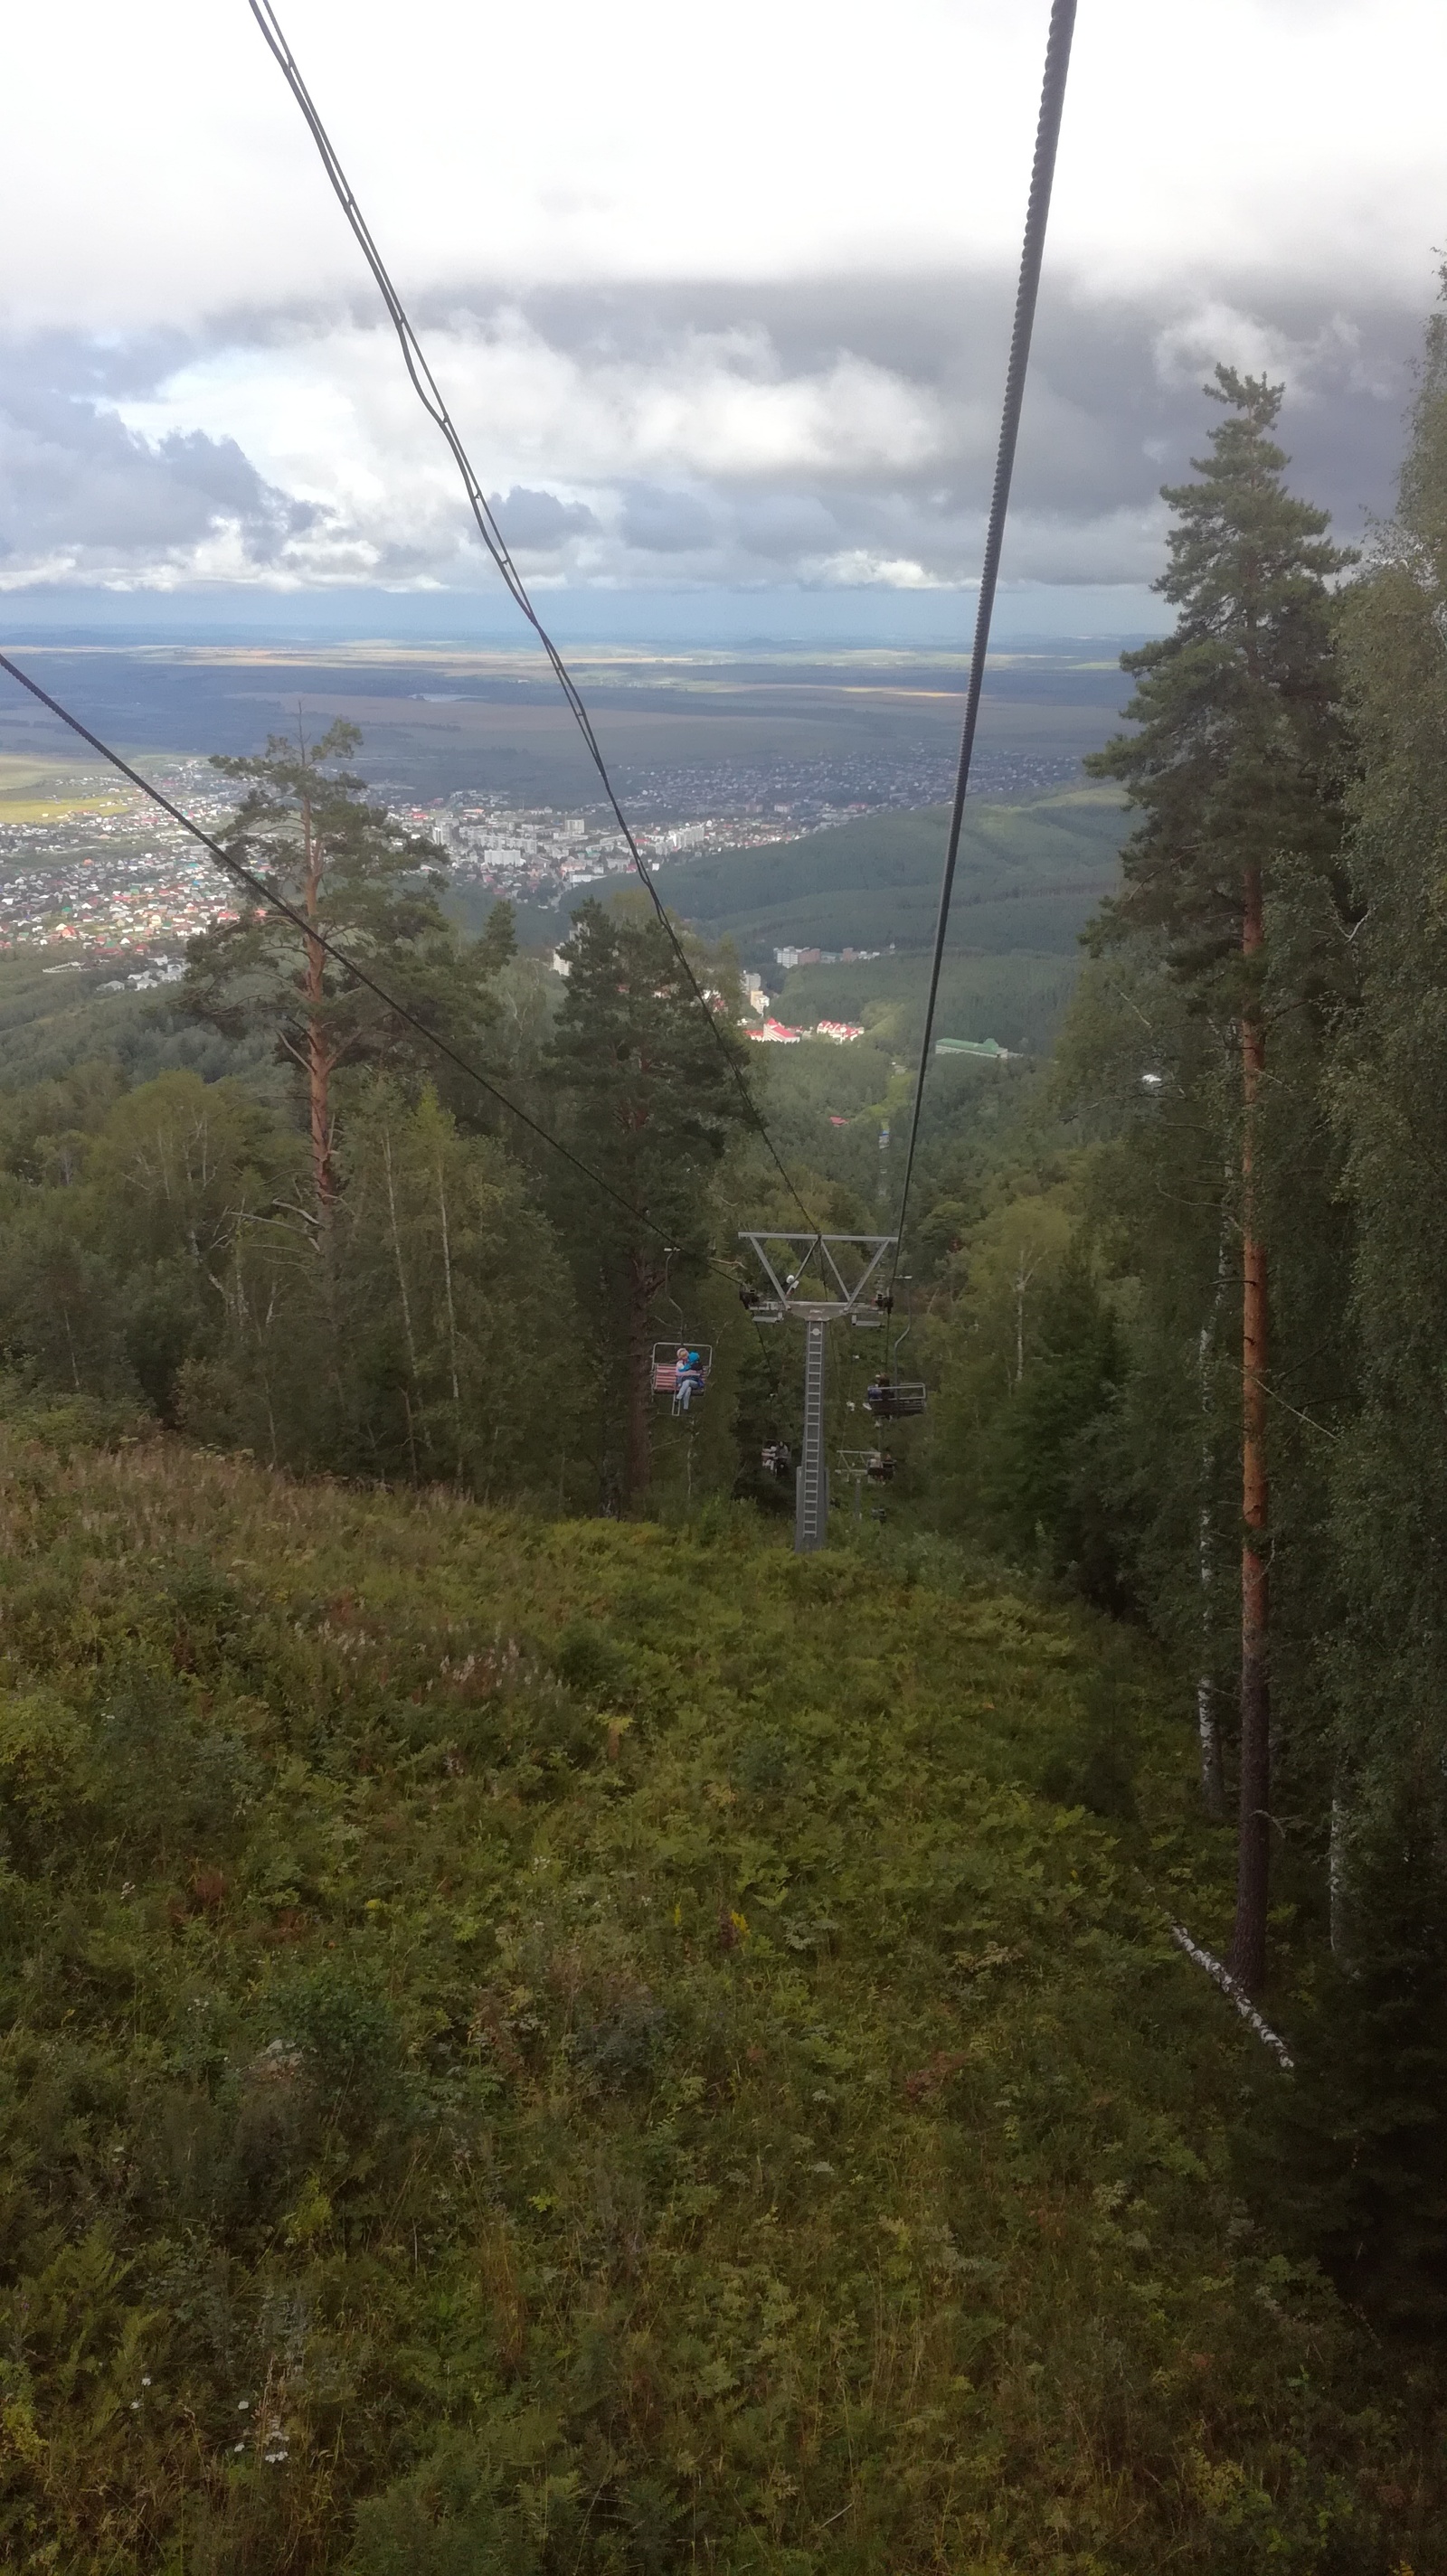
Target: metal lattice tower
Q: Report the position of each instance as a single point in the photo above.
(811, 1485)
(823, 1279)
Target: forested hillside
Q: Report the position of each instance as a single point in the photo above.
(546, 2032)
(1030, 874)
(56, 1015)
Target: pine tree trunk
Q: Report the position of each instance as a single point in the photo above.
(640, 1385)
(1253, 1868)
(320, 1114)
(1213, 1778)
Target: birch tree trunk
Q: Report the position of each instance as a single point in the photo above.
(1336, 1879)
(318, 1062)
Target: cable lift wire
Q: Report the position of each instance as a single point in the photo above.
(1047, 137)
(425, 386)
(265, 893)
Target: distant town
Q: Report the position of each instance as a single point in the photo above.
(114, 875)
(110, 873)
(104, 871)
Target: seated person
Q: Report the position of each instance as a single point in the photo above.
(690, 1378)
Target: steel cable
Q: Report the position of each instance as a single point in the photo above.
(1047, 137)
(425, 386)
(264, 893)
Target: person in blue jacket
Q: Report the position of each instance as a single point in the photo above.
(688, 1379)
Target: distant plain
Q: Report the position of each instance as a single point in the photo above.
(438, 722)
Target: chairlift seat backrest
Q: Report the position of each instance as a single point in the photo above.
(664, 1374)
(890, 1400)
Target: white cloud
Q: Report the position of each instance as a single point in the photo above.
(639, 241)
(654, 448)
(620, 451)
(1331, 357)
(327, 411)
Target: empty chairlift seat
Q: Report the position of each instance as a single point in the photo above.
(681, 1371)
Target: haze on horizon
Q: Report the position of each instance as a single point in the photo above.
(720, 308)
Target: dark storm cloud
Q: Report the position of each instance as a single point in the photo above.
(1115, 404)
(1115, 408)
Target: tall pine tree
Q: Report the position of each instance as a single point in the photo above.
(1235, 770)
(307, 826)
(1369, 2162)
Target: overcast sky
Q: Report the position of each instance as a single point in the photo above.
(719, 297)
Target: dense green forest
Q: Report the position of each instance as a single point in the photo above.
(754, 2095)
(1030, 873)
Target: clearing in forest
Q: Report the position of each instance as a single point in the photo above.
(582, 2047)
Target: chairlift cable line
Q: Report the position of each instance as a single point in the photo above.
(428, 393)
(265, 893)
(1047, 137)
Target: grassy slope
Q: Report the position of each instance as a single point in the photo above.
(589, 2038)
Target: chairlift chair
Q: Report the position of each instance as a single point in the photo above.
(673, 1377)
(890, 1399)
(867, 1466)
(777, 1460)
